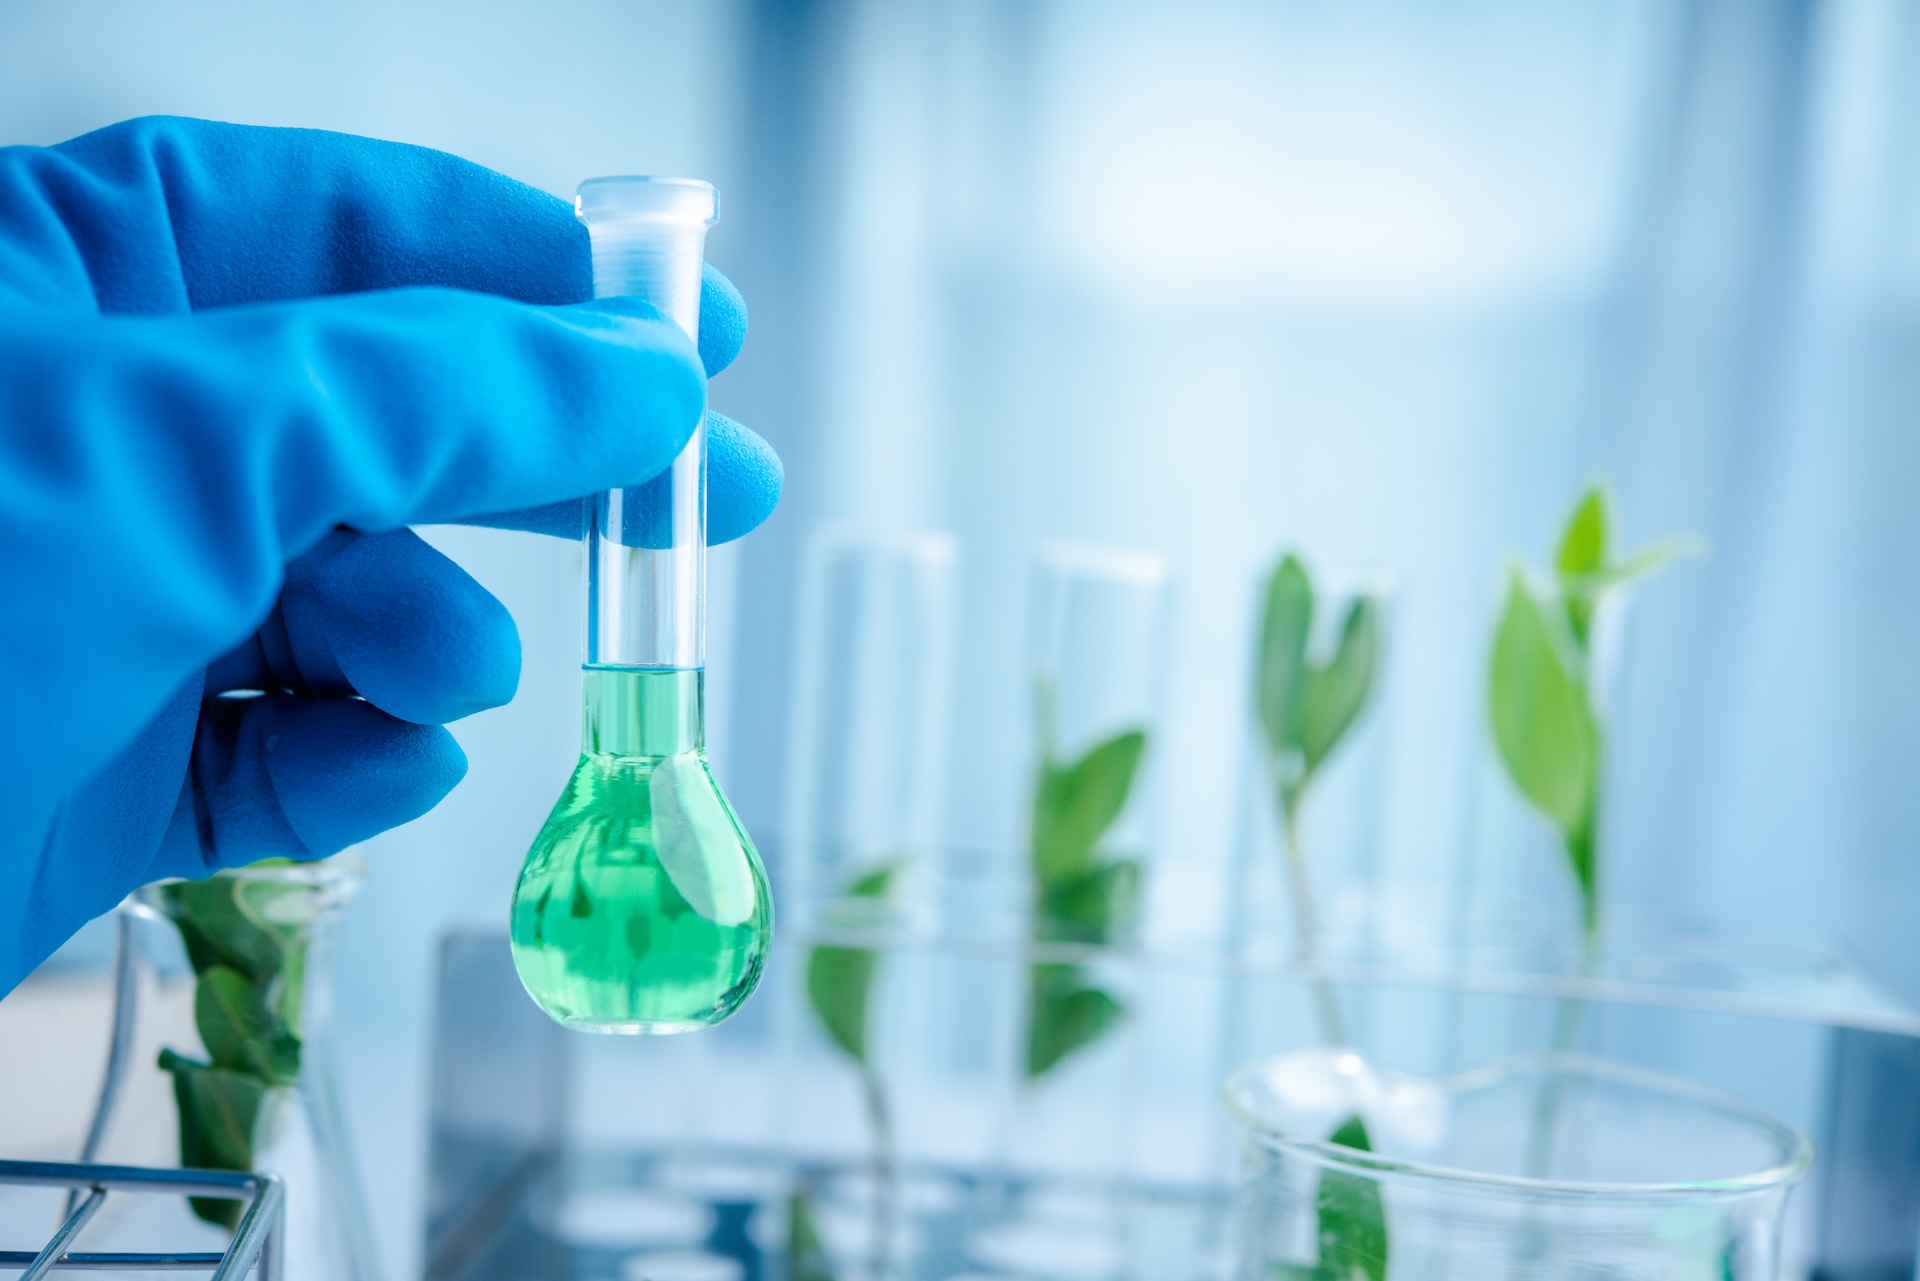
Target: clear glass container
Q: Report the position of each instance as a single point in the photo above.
(231, 1062)
(642, 907)
(1097, 645)
(873, 672)
(1530, 1168)
(867, 746)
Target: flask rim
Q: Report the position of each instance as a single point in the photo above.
(1240, 1090)
(620, 198)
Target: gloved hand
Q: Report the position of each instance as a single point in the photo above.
(235, 364)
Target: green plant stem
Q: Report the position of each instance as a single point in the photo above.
(880, 1122)
(1580, 852)
(1569, 1015)
(1582, 844)
(1326, 1002)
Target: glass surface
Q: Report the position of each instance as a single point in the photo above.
(647, 545)
(1539, 1167)
(867, 737)
(642, 907)
(245, 1047)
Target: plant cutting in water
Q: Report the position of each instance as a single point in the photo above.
(840, 990)
(1081, 894)
(806, 1253)
(1306, 705)
(249, 965)
(1351, 1222)
(1548, 728)
(1546, 721)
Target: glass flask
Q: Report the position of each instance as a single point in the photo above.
(241, 1032)
(1647, 1177)
(642, 906)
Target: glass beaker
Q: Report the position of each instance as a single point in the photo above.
(258, 1090)
(1647, 1177)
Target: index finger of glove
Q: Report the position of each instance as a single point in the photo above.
(164, 214)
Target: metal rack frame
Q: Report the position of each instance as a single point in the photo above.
(257, 1239)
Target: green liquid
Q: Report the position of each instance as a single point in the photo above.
(642, 907)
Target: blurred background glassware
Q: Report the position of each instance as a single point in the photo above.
(1541, 848)
(236, 988)
(1097, 635)
(1651, 1177)
(872, 681)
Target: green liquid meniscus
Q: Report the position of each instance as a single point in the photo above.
(642, 907)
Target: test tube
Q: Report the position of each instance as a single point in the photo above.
(647, 546)
(642, 906)
(873, 669)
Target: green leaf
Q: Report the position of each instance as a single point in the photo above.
(1336, 693)
(1066, 1015)
(218, 928)
(243, 938)
(292, 984)
(1077, 895)
(1091, 908)
(806, 1256)
(1281, 680)
(1353, 1219)
(1585, 571)
(1583, 544)
(1542, 724)
(1075, 805)
(1650, 558)
(1582, 559)
(218, 1109)
(840, 979)
(240, 1033)
(877, 883)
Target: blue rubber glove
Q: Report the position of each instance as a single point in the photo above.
(235, 364)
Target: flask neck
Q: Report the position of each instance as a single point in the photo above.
(643, 711)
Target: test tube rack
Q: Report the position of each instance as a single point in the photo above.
(257, 1240)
